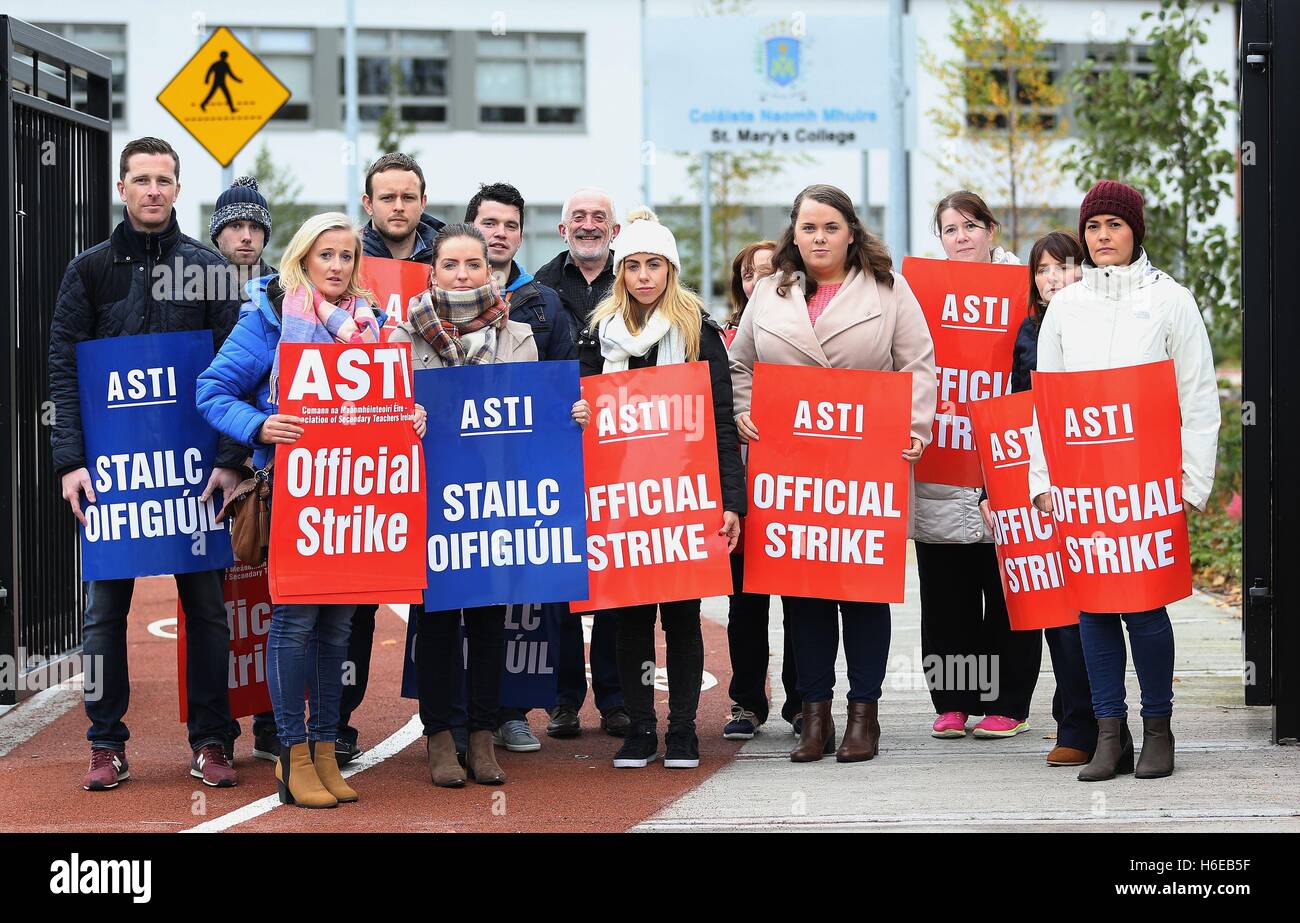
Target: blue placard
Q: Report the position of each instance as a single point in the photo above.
(507, 516)
(530, 673)
(149, 454)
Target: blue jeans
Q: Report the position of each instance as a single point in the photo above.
(815, 624)
(1072, 702)
(207, 659)
(305, 651)
(1152, 637)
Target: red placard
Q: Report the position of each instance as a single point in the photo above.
(974, 311)
(654, 499)
(395, 283)
(248, 615)
(1029, 552)
(1113, 444)
(828, 484)
(348, 520)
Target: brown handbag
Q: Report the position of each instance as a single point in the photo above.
(249, 510)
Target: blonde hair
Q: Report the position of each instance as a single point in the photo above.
(679, 305)
(293, 272)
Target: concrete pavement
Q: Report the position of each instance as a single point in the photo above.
(1228, 776)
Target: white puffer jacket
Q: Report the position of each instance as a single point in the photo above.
(950, 515)
(1130, 315)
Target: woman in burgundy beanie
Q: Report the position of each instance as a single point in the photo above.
(1122, 312)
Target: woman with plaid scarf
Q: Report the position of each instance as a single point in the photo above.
(462, 320)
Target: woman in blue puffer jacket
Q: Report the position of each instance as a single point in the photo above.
(317, 297)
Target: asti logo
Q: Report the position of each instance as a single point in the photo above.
(1097, 425)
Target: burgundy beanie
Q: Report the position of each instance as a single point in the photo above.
(1108, 197)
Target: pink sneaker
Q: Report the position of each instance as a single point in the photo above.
(949, 724)
(1000, 726)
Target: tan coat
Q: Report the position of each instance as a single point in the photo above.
(865, 326)
(514, 344)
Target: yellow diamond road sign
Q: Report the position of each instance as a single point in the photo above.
(223, 96)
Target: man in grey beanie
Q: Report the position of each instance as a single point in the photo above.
(241, 229)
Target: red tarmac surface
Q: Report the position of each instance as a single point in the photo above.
(570, 785)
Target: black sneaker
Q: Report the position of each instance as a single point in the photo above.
(681, 750)
(638, 750)
(266, 745)
(345, 751)
(796, 726)
(564, 722)
(615, 721)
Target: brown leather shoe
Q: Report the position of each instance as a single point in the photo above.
(481, 760)
(444, 769)
(818, 736)
(1068, 756)
(862, 736)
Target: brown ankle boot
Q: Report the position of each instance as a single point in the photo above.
(297, 782)
(482, 761)
(1157, 758)
(818, 736)
(1114, 753)
(444, 769)
(327, 770)
(862, 736)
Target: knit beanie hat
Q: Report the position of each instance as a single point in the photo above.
(644, 234)
(1108, 197)
(241, 202)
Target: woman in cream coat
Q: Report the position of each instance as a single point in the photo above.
(833, 301)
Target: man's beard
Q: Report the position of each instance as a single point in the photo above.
(383, 232)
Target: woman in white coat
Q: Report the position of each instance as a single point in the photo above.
(1126, 312)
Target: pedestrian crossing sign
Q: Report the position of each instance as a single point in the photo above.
(223, 95)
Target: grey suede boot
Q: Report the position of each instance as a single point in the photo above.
(1114, 753)
(1157, 759)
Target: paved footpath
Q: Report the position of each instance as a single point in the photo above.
(1229, 777)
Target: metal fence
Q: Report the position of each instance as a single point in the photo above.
(56, 188)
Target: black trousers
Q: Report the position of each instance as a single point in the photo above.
(1072, 702)
(437, 647)
(360, 645)
(973, 661)
(636, 661)
(747, 642)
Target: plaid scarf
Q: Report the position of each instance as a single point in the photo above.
(307, 317)
(462, 327)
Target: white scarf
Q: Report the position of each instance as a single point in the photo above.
(618, 345)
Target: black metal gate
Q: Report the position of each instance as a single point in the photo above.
(1270, 134)
(55, 153)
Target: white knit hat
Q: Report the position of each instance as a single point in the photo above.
(644, 234)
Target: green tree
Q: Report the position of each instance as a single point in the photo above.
(283, 193)
(1163, 134)
(391, 128)
(998, 110)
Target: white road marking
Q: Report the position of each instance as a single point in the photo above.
(27, 719)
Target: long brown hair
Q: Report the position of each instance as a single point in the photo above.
(742, 264)
(867, 253)
(1060, 245)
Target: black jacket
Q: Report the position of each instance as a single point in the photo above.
(373, 243)
(731, 471)
(117, 288)
(1024, 355)
(539, 307)
(577, 295)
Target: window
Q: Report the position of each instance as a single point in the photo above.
(1060, 61)
(530, 79)
(989, 118)
(287, 53)
(408, 67)
(108, 40)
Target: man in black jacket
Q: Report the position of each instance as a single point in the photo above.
(115, 289)
(583, 273)
(582, 276)
(398, 230)
(394, 199)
